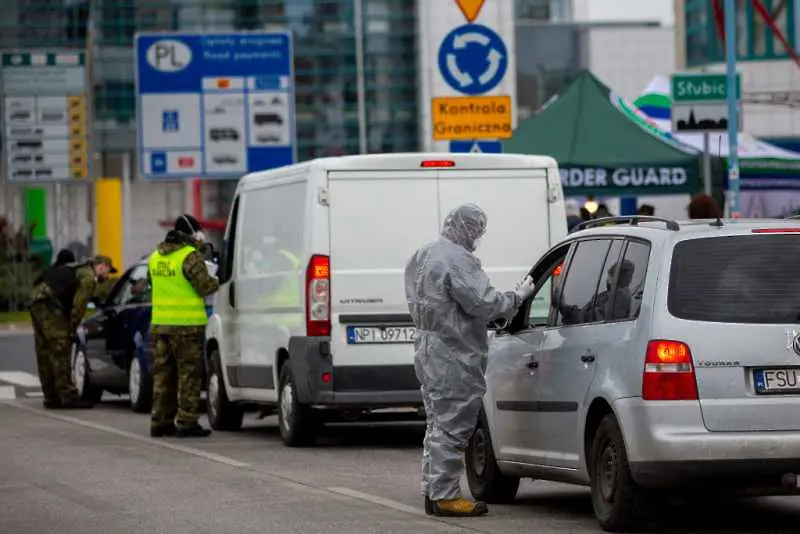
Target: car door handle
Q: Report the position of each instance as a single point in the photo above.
(532, 363)
(588, 357)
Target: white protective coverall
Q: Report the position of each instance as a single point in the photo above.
(451, 300)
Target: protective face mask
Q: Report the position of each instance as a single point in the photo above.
(200, 236)
(476, 243)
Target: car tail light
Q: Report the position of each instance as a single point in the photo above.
(438, 163)
(318, 297)
(668, 372)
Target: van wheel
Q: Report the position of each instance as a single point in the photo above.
(297, 422)
(222, 413)
(620, 505)
(486, 482)
(140, 387)
(82, 375)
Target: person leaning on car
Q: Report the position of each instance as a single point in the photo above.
(58, 303)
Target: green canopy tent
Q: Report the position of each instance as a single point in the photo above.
(601, 151)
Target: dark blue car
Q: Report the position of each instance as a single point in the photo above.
(113, 350)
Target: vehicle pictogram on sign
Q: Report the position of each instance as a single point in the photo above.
(473, 59)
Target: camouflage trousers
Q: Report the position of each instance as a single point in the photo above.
(52, 341)
(177, 378)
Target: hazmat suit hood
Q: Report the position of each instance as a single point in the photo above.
(465, 225)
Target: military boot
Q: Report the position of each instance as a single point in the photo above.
(52, 404)
(159, 431)
(77, 404)
(459, 508)
(195, 431)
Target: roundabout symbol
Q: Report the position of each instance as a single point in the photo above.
(473, 59)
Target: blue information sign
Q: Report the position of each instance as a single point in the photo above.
(214, 105)
(477, 147)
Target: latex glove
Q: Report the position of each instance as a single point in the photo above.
(212, 268)
(525, 288)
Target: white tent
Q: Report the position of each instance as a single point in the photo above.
(770, 175)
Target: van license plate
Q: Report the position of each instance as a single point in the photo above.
(777, 380)
(358, 335)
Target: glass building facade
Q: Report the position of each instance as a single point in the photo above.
(325, 60)
(755, 40)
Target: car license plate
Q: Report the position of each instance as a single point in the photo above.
(777, 380)
(358, 335)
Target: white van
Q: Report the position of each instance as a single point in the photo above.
(311, 318)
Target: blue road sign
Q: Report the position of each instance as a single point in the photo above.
(473, 59)
(477, 147)
(214, 105)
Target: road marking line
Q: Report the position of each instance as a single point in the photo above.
(374, 499)
(20, 378)
(341, 493)
(8, 393)
(159, 442)
(35, 394)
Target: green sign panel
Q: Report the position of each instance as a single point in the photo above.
(702, 88)
(628, 181)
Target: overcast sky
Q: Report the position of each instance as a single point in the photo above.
(607, 10)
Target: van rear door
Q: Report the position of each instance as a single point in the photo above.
(377, 220)
(518, 216)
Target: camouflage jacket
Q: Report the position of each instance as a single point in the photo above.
(195, 271)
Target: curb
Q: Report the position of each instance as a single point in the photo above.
(14, 329)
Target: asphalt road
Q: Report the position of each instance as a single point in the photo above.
(99, 471)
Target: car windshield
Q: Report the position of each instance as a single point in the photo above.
(736, 279)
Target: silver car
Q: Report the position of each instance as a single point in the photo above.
(655, 356)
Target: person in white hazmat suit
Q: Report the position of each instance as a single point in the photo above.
(451, 300)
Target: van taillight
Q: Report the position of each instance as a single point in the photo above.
(318, 297)
(668, 372)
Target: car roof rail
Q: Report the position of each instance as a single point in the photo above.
(632, 220)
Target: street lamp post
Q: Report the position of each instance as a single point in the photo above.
(733, 110)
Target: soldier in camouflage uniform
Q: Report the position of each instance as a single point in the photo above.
(180, 281)
(58, 303)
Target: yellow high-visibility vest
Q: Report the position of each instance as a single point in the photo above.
(175, 302)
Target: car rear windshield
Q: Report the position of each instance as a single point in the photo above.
(737, 279)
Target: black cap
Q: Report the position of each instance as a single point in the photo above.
(64, 257)
(186, 224)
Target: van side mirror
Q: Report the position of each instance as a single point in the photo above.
(223, 271)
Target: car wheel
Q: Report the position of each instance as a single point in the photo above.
(298, 423)
(222, 413)
(140, 387)
(82, 376)
(486, 482)
(620, 505)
